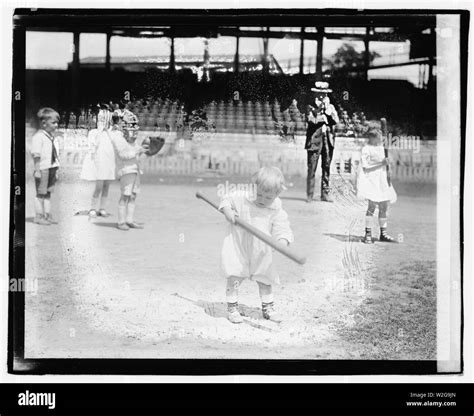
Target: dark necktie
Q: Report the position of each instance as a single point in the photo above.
(54, 153)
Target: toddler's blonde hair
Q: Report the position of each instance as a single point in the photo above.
(46, 113)
(269, 179)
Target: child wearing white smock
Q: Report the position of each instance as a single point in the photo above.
(373, 185)
(99, 165)
(244, 256)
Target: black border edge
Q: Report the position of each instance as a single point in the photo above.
(210, 367)
(16, 300)
(370, 397)
(17, 364)
(464, 55)
(244, 16)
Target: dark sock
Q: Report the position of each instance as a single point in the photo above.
(232, 306)
(265, 306)
(368, 232)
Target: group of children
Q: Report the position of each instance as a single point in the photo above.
(115, 153)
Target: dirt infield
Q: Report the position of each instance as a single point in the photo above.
(156, 293)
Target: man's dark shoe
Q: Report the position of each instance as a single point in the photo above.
(326, 197)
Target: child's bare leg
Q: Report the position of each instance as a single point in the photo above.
(265, 292)
(131, 208)
(131, 213)
(47, 209)
(122, 210)
(105, 189)
(383, 212)
(266, 295)
(39, 206)
(47, 206)
(95, 197)
(232, 289)
(40, 217)
(369, 216)
(383, 215)
(232, 297)
(103, 198)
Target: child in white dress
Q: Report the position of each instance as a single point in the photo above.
(243, 255)
(99, 165)
(373, 185)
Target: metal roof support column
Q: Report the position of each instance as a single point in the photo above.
(236, 59)
(107, 53)
(366, 53)
(172, 62)
(302, 52)
(266, 63)
(75, 72)
(319, 53)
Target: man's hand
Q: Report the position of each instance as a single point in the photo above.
(37, 174)
(229, 214)
(284, 241)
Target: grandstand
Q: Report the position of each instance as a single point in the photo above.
(262, 105)
(249, 117)
(249, 103)
(266, 84)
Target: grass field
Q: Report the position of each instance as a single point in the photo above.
(156, 292)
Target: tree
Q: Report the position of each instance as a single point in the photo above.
(347, 58)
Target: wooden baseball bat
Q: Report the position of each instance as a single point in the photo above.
(383, 122)
(259, 234)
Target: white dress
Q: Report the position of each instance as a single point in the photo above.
(244, 255)
(99, 162)
(372, 181)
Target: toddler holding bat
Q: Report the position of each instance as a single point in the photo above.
(243, 255)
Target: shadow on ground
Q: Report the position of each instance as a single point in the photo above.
(105, 224)
(346, 237)
(293, 198)
(219, 310)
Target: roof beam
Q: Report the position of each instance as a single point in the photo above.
(124, 32)
(79, 19)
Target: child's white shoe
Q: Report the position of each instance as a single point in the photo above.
(40, 220)
(50, 219)
(268, 311)
(123, 226)
(233, 314)
(103, 213)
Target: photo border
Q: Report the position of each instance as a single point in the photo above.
(17, 364)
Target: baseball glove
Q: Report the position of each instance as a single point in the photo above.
(154, 145)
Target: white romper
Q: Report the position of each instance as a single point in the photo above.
(244, 255)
